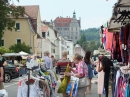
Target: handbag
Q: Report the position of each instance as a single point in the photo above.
(95, 72)
(83, 82)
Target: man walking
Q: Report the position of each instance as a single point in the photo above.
(48, 60)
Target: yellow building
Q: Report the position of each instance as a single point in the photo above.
(28, 30)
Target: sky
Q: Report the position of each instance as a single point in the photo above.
(93, 13)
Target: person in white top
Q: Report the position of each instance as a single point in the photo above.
(34, 61)
(48, 60)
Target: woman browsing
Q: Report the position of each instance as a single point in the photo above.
(106, 63)
(80, 72)
(88, 60)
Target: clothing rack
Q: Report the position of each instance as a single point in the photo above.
(28, 93)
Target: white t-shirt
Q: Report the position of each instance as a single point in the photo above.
(34, 62)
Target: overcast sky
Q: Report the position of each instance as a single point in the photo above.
(93, 13)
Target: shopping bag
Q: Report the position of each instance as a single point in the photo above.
(83, 82)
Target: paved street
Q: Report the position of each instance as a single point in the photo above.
(12, 88)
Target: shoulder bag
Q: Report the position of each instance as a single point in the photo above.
(83, 82)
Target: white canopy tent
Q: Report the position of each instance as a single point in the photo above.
(9, 54)
(23, 53)
(15, 54)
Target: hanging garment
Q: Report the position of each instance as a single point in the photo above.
(116, 85)
(44, 88)
(127, 91)
(128, 43)
(122, 34)
(120, 87)
(53, 78)
(34, 89)
(109, 37)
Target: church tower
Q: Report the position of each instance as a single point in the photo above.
(74, 15)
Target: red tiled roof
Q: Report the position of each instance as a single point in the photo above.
(63, 21)
(44, 28)
(32, 11)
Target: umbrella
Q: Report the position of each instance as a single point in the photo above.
(23, 53)
(9, 54)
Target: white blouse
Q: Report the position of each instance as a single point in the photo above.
(23, 89)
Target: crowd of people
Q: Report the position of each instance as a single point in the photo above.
(77, 67)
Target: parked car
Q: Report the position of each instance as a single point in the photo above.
(11, 72)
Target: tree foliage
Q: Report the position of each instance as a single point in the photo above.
(91, 34)
(7, 13)
(20, 47)
(89, 39)
(5, 50)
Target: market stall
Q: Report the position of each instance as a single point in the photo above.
(119, 46)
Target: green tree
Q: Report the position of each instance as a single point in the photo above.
(20, 47)
(5, 50)
(8, 11)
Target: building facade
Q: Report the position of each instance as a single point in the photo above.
(28, 30)
(78, 49)
(70, 49)
(68, 28)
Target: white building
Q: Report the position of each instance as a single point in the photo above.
(49, 39)
(62, 46)
(78, 49)
(70, 49)
(55, 45)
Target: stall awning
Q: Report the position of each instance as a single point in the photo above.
(120, 5)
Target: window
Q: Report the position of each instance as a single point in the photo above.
(2, 42)
(17, 26)
(48, 34)
(53, 50)
(68, 52)
(76, 37)
(68, 46)
(18, 41)
(76, 28)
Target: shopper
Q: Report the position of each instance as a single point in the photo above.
(88, 60)
(47, 60)
(28, 59)
(2, 72)
(34, 62)
(106, 63)
(53, 61)
(62, 64)
(81, 70)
